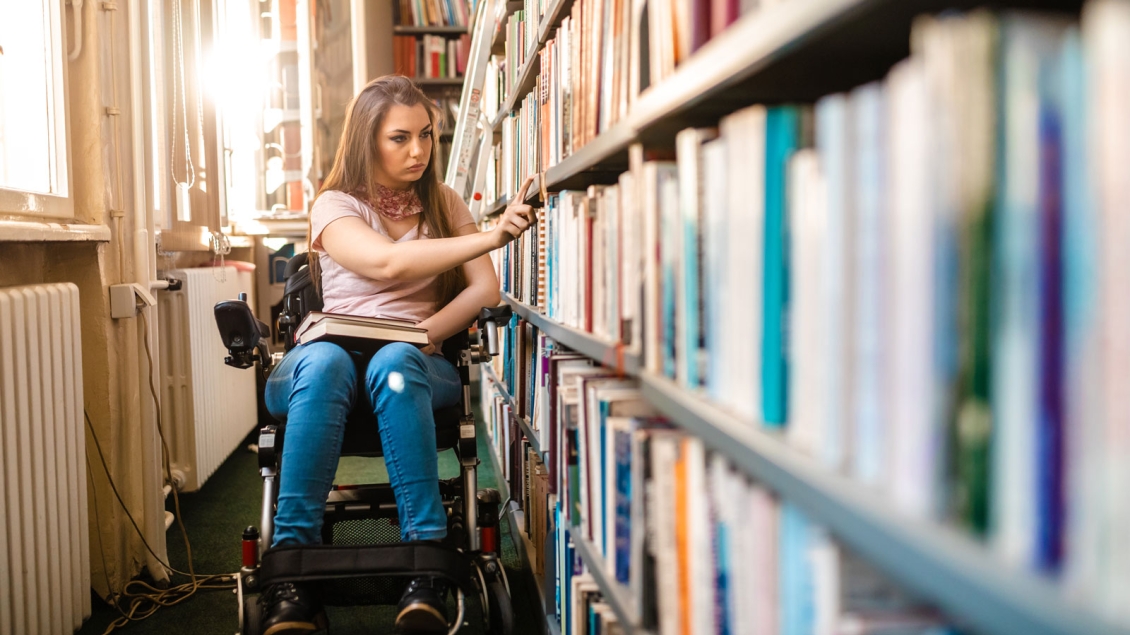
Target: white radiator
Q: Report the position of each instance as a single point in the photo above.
(44, 547)
(207, 407)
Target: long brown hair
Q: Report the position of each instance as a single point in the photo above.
(353, 172)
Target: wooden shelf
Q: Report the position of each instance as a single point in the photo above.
(522, 543)
(437, 81)
(430, 30)
(527, 76)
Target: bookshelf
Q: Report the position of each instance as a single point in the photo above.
(954, 571)
(515, 516)
(608, 354)
(523, 422)
(402, 29)
(799, 50)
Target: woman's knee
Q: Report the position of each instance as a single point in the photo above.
(324, 362)
(393, 364)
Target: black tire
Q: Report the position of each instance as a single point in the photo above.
(501, 609)
(252, 617)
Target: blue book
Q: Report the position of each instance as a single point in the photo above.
(670, 238)
(797, 582)
(1027, 47)
(622, 439)
(781, 139)
(1080, 304)
(722, 591)
(1049, 436)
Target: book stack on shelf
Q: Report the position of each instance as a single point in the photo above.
(647, 507)
(876, 327)
(434, 13)
(432, 41)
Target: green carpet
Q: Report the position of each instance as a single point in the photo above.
(215, 518)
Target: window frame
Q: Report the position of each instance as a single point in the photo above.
(59, 204)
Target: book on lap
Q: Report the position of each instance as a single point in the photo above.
(356, 332)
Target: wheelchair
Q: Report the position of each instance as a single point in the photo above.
(361, 560)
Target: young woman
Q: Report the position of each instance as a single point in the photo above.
(391, 241)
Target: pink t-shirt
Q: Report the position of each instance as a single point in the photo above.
(346, 292)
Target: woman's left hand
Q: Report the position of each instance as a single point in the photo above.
(430, 349)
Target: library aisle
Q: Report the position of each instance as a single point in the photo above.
(824, 326)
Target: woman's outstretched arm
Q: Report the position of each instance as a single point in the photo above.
(360, 249)
(482, 290)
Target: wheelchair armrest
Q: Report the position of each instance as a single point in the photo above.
(490, 319)
(243, 335)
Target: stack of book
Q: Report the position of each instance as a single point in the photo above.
(682, 534)
(430, 56)
(423, 13)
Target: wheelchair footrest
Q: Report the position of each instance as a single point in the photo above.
(308, 563)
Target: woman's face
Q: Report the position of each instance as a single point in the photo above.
(404, 146)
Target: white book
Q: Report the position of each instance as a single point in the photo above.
(661, 528)
(870, 346)
(688, 313)
(744, 132)
(613, 271)
(744, 539)
(653, 172)
(764, 565)
(624, 401)
(912, 396)
(807, 354)
(1105, 25)
(834, 143)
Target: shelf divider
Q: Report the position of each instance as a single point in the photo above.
(523, 422)
(615, 595)
(607, 353)
(402, 29)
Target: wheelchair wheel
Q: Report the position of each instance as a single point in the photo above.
(252, 618)
(501, 609)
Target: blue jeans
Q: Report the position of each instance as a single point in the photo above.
(315, 387)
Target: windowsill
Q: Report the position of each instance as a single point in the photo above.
(17, 231)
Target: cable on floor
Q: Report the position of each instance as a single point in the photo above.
(143, 599)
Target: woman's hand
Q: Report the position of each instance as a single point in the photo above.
(430, 349)
(516, 218)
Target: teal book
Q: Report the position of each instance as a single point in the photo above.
(781, 140)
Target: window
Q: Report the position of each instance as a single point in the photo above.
(33, 120)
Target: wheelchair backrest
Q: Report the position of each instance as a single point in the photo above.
(301, 295)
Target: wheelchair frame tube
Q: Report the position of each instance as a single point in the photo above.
(470, 511)
(267, 515)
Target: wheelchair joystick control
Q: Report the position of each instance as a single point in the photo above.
(490, 319)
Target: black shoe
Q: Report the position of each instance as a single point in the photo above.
(290, 609)
(422, 608)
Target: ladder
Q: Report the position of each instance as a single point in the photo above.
(473, 134)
